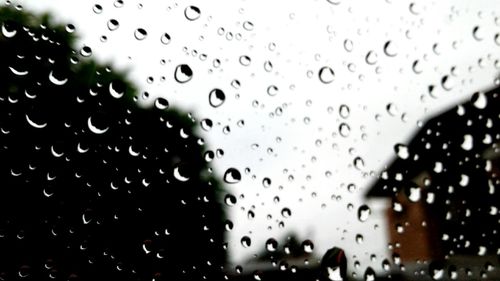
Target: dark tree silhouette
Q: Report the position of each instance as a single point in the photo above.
(92, 186)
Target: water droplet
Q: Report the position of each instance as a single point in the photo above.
(192, 13)
(344, 130)
(97, 9)
(272, 90)
(146, 246)
(402, 151)
(344, 111)
(216, 97)
(246, 241)
(70, 28)
(230, 200)
(181, 173)
(371, 58)
(55, 80)
(477, 33)
(165, 38)
(248, 26)
(113, 24)
(326, 75)
(359, 238)
(308, 246)
(447, 82)
(286, 213)
(245, 60)
(417, 67)
(9, 29)
(86, 51)
(206, 124)
(334, 2)
(161, 103)
(364, 213)
(268, 66)
(359, 163)
(497, 39)
(271, 245)
(467, 144)
(479, 100)
(436, 270)
(183, 73)
(18, 72)
(390, 49)
(116, 89)
(370, 274)
(266, 182)
(232, 176)
(34, 124)
(140, 34)
(94, 129)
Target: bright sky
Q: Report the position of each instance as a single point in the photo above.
(293, 137)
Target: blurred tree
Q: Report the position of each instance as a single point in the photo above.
(94, 187)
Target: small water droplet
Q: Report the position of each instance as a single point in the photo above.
(232, 176)
(477, 33)
(308, 246)
(371, 58)
(192, 13)
(161, 103)
(468, 143)
(344, 130)
(447, 82)
(364, 213)
(247, 25)
(165, 38)
(245, 60)
(9, 29)
(344, 111)
(116, 89)
(183, 73)
(97, 9)
(286, 212)
(216, 97)
(140, 34)
(230, 200)
(326, 75)
(55, 80)
(272, 90)
(206, 124)
(113, 24)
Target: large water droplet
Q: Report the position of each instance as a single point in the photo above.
(192, 13)
(206, 124)
(94, 129)
(245, 60)
(370, 274)
(97, 9)
(232, 176)
(216, 97)
(230, 200)
(344, 130)
(183, 73)
(479, 100)
(326, 75)
(364, 213)
(286, 212)
(140, 34)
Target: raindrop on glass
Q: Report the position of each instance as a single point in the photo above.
(161, 103)
(192, 13)
(326, 75)
(140, 34)
(183, 73)
(165, 38)
(364, 213)
(113, 24)
(232, 176)
(216, 97)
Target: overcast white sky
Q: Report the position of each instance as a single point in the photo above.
(307, 36)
